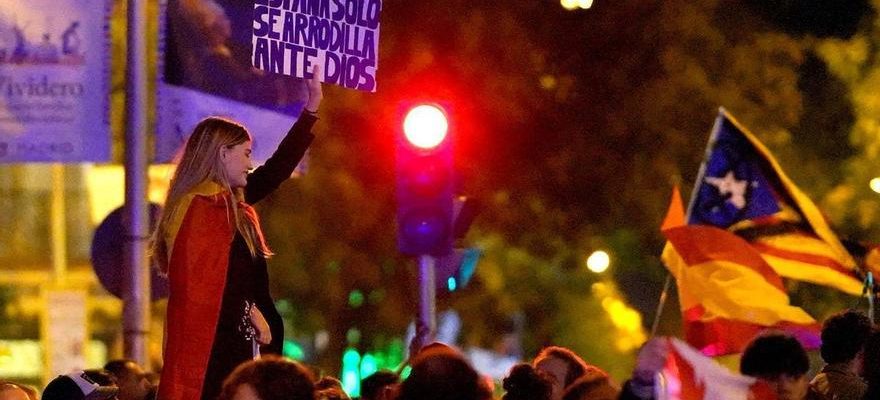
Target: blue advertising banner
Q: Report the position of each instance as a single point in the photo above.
(54, 81)
(207, 71)
(342, 36)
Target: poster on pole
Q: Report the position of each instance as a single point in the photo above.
(54, 81)
(342, 36)
(206, 71)
(64, 331)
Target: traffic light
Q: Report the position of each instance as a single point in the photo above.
(425, 183)
(455, 269)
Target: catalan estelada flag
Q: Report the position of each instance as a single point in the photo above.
(742, 189)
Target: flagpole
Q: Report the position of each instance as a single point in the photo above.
(661, 303)
(869, 282)
(716, 127)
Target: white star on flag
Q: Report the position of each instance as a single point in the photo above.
(730, 185)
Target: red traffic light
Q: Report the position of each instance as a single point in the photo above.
(425, 181)
(425, 126)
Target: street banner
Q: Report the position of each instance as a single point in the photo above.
(64, 331)
(54, 81)
(342, 36)
(206, 71)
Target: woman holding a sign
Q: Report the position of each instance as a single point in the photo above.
(210, 244)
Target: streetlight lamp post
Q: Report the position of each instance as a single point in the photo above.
(136, 297)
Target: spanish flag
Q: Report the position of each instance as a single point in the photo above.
(728, 292)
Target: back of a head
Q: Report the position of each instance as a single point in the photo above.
(331, 393)
(772, 354)
(330, 388)
(31, 391)
(844, 335)
(13, 391)
(592, 387)
(441, 373)
(372, 385)
(77, 386)
(101, 377)
(524, 382)
(272, 378)
(119, 367)
(577, 367)
(328, 382)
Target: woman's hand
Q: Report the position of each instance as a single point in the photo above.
(316, 94)
(264, 334)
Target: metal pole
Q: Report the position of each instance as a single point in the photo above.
(58, 226)
(427, 291)
(870, 285)
(136, 308)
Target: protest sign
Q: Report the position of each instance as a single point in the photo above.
(290, 37)
(207, 72)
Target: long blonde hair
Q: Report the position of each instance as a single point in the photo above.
(201, 162)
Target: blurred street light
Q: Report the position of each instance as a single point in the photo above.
(875, 185)
(598, 262)
(575, 4)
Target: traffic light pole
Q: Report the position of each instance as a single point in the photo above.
(427, 293)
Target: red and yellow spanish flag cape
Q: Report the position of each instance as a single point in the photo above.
(728, 292)
(198, 240)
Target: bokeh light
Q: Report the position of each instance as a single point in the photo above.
(599, 261)
(875, 185)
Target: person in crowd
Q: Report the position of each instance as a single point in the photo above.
(592, 387)
(31, 391)
(440, 372)
(564, 366)
(130, 378)
(210, 244)
(12, 391)
(269, 378)
(330, 388)
(101, 377)
(871, 365)
(379, 386)
(152, 378)
(525, 382)
(779, 360)
(649, 362)
(843, 341)
(77, 386)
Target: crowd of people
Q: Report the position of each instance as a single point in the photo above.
(224, 333)
(850, 349)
